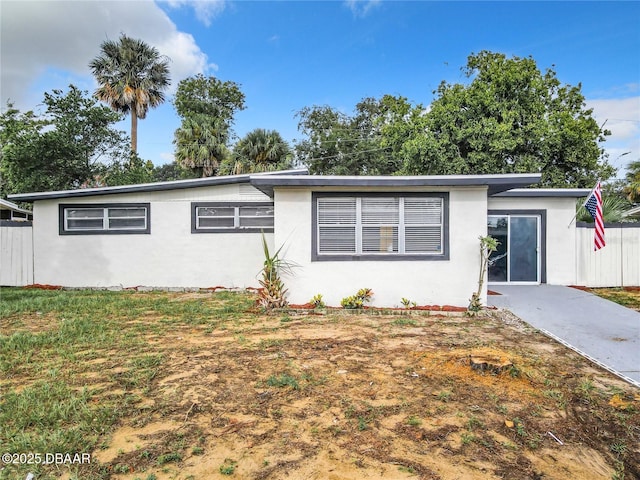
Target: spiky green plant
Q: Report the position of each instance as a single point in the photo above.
(613, 209)
(273, 292)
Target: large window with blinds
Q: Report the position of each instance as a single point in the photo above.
(100, 219)
(380, 226)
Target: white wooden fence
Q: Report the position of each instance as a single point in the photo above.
(16, 253)
(615, 265)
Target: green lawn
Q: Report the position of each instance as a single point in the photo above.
(628, 297)
(50, 345)
(190, 386)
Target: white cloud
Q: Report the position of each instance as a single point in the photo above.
(38, 37)
(166, 157)
(622, 117)
(361, 8)
(621, 114)
(205, 10)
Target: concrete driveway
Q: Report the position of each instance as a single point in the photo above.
(603, 331)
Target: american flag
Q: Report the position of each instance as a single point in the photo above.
(594, 206)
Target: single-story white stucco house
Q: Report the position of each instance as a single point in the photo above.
(414, 237)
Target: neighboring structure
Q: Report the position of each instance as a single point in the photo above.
(414, 237)
(12, 212)
(16, 245)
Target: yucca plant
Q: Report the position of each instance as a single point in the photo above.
(273, 292)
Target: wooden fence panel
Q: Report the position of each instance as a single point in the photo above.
(615, 265)
(16, 253)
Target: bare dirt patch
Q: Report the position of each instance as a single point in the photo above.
(351, 397)
(187, 386)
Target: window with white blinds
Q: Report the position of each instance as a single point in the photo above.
(221, 217)
(104, 218)
(380, 225)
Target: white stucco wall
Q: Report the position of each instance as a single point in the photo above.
(441, 282)
(170, 256)
(560, 234)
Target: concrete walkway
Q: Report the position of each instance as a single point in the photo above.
(603, 331)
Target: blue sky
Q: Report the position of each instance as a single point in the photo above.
(287, 55)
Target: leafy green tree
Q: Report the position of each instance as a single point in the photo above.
(209, 96)
(510, 118)
(71, 142)
(207, 107)
(132, 77)
(171, 171)
(340, 144)
(258, 151)
(133, 171)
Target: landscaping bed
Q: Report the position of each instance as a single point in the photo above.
(200, 385)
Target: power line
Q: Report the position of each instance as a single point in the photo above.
(343, 155)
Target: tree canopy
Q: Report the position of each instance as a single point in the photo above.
(61, 149)
(509, 118)
(258, 151)
(201, 144)
(207, 107)
(209, 96)
(132, 77)
(339, 144)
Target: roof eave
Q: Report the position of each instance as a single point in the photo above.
(6, 205)
(148, 187)
(495, 183)
(545, 192)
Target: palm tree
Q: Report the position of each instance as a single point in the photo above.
(132, 76)
(201, 143)
(260, 151)
(613, 209)
(632, 189)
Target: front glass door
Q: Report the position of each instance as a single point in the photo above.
(517, 258)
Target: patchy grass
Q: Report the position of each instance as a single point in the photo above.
(200, 385)
(628, 297)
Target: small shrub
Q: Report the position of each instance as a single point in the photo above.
(357, 301)
(406, 303)
(317, 301)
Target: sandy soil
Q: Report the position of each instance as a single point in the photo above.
(373, 397)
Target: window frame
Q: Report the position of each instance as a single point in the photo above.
(64, 230)
(350, 257)
(236, 226)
